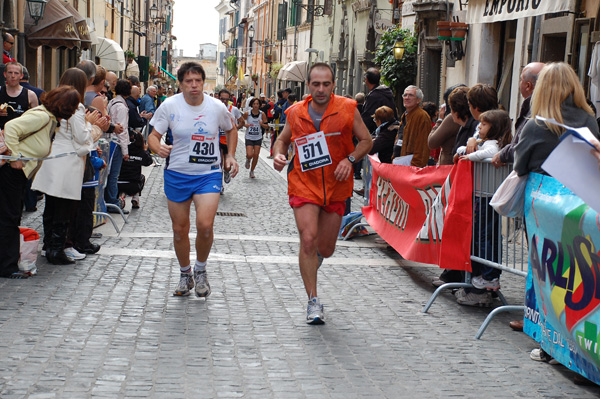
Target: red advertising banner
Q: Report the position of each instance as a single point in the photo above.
(424, 214)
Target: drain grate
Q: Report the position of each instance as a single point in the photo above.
(239, 214)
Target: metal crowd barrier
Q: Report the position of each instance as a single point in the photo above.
(505, 237)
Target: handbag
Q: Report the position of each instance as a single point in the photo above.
(509, 198)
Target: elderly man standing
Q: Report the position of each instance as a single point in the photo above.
(415, 125)
(111, 80)
(147, 104)
(526, 85)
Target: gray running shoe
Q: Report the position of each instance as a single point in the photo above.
(202, 286)
(247, 165)
(226, 176)
(186, 283)
(472, 299)
(314, 312)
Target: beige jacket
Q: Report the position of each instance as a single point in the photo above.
(30, 136)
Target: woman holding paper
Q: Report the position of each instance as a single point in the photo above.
(557, 95)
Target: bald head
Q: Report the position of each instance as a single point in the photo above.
(111, 79)
(135, 92)
(529, 78)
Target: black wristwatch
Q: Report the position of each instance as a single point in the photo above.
(351, 159)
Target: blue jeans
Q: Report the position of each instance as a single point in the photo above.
(111, 192)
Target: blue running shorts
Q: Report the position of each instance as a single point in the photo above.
(180, 187)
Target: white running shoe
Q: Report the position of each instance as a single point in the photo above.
(74, 254)
(483, 284)
(252, 175)
(202, 285)
(314, 312)
(186, 283)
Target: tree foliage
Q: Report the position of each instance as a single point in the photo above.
(231, 64)
(397, 74)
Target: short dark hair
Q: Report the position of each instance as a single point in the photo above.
(123, 88)
(321, 65)
(280, 93)
(191, 66)
(255, 99)
(459, 103)
(62, 102)
(224, 91)
(484, 97)
(450, 90)
(134, 80)
(292, 98)
(373, 76)
(430, 108)
(288, 90)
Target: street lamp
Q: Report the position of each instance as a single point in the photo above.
(36, 9)
(153, 11)
(251, 32)
(398, 49)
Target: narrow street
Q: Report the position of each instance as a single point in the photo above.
(109, 327)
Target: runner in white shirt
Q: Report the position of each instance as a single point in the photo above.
(255, 121)
(193, 168)
(225, 96)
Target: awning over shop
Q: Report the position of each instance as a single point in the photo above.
(56, 29)
(294, 71)
(82, 27)
(484, 11)
(111, 55)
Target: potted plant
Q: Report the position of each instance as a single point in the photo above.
(268, 58)
(459, 30)
(444, 32)
(129, 55)
(152, 70)
(254, 77)
(275, 68)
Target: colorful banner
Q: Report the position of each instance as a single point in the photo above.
(563, 283)
(425, 214)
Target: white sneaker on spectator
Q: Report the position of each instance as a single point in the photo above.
(483, 284)
(74, 254)
(473, 299)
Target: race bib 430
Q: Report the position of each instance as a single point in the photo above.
(203, 149)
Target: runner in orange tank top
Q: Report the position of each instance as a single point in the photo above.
(320, 174)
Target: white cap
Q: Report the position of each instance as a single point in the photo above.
(262, 95)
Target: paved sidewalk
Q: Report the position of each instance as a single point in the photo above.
(109, 326)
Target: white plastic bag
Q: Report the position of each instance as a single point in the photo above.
(30, 241)
(509, 198)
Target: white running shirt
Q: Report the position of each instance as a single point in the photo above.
(254, 131)
(195, 131)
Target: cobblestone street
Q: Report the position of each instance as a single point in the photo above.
(109, 327)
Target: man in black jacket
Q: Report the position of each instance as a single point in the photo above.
(136, 119)
(378, 96)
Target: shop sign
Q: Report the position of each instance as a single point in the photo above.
(486, 11)
(382, 25)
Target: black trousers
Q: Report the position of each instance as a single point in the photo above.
(82, 220)
(56, 212)
(12, 186)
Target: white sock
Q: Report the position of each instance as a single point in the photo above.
(186, 269)
(200, 266)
